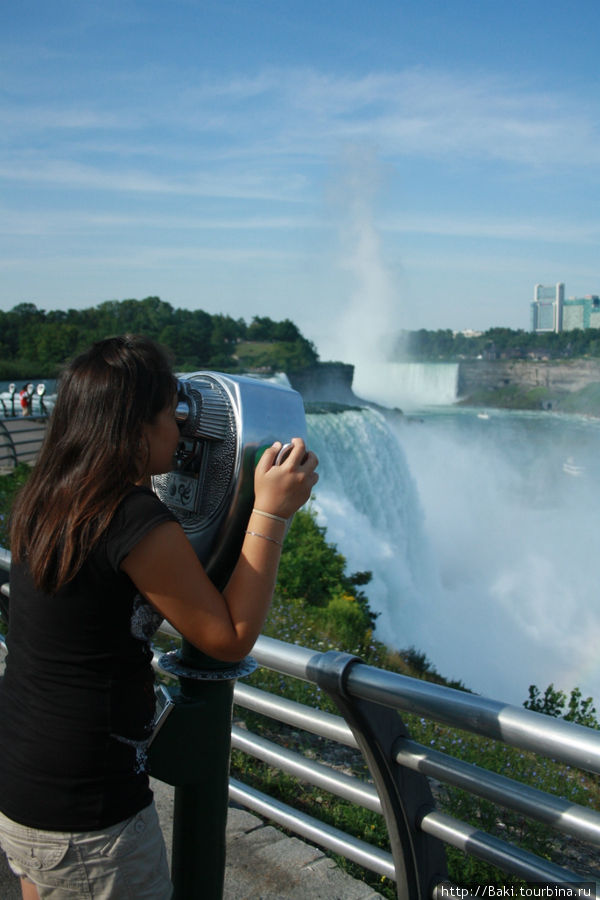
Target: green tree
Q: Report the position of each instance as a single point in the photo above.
(552, 703)
(581, 711)
(33, 342)
(261, 328)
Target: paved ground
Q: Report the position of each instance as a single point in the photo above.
(262, 863)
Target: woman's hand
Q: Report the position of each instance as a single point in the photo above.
(284, 488)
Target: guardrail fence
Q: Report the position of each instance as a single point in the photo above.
(370, 702)
(20, 440)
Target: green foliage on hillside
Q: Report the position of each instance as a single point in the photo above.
(35, 343)
(496, 343)
(314, 570)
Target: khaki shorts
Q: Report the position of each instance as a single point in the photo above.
(127, 861)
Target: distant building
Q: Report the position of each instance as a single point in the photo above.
(547, 307)
(551, 312)
(468, 333)
(582, 312)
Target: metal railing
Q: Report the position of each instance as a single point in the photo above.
(20, 439)
(370, 701)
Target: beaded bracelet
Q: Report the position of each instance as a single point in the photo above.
(266, 537)
(268, 515)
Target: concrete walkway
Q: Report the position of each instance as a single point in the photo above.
(262, 862)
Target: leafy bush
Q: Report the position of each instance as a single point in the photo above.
(552, 703)
(10, 483)
(313, 570)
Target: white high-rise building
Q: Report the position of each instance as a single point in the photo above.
(547, 307)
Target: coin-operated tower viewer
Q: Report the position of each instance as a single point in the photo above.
(225, 423)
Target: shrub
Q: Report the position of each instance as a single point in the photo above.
(10, 484)
(552, 703)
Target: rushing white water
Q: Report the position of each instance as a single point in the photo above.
(480, 533)
(368, 501)
(407, 385)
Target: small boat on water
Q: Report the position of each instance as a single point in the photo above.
(483, 415)
(571, 468)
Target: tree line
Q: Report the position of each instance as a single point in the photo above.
(36, 343)
(496, 343)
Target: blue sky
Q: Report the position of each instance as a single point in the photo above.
(359, 167)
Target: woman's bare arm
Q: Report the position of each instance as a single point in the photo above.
(165, 568)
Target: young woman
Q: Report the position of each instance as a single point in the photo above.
(97, 562)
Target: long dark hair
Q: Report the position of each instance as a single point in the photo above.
(91, 455)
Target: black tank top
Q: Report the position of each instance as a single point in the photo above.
(77, 698)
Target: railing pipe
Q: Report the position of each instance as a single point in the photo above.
(315, 721)
(317, 774)
(313, 830)
(288, 659)
(494, 851)
(570, 818)
(573, 744)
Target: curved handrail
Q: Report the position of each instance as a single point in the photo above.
(20, 439)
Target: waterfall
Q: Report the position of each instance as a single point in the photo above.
(408, 385)
(479, 540)
(368, 501)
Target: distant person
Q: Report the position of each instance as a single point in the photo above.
(97, 562)
(25, 399)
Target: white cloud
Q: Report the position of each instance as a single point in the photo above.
(308, 112)
(528, 229)
(251, 185)
(55, 222)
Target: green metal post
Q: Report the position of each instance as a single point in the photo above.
(192, 752)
